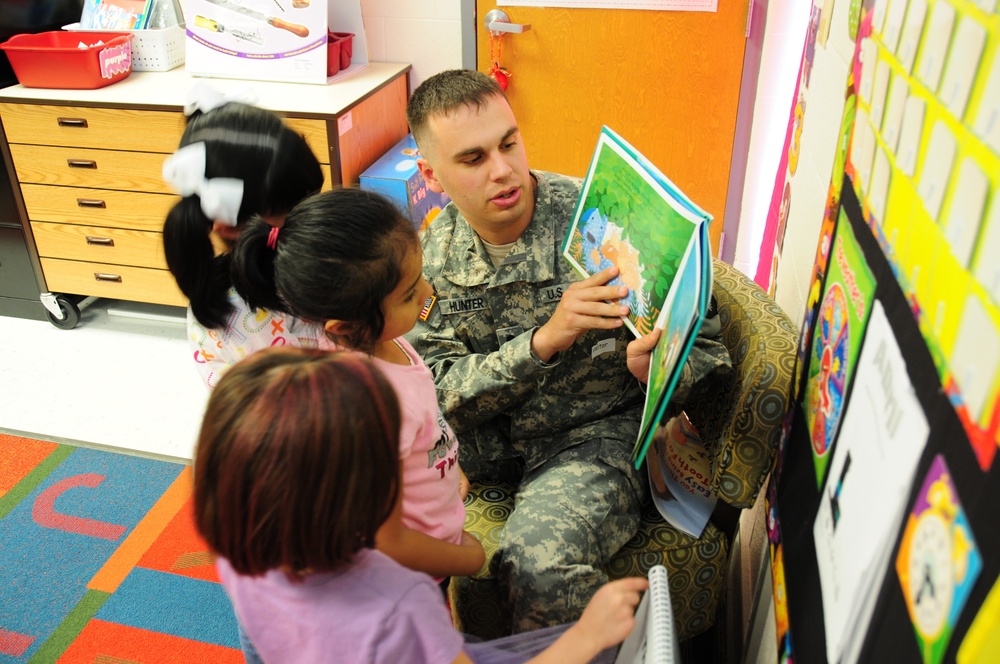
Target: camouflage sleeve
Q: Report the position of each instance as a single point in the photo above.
(474, 388)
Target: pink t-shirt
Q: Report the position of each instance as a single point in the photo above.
(373, 611)
(428, 450)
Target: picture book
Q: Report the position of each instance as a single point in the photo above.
(630, 215)
(680, 476)
(842, 316)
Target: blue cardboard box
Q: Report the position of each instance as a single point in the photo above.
(396, 176)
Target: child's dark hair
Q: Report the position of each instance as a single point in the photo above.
(277, 169)
(297, 464)
(337, 257)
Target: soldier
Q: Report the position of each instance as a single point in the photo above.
(532, 365)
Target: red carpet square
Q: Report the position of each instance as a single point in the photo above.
(106, 642)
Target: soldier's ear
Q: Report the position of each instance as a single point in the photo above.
(427, 171)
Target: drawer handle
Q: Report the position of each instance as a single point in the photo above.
(103, 241)
(72, 122)
(91, 202)
(81, 163)
(104, 276)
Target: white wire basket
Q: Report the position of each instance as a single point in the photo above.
(152, 50)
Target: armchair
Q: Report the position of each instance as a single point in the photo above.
(740, 417)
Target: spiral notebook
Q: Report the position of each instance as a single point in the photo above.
(653, 640)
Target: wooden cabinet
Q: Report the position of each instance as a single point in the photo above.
(86, 167)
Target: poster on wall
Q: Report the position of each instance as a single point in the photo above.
(840, 327)
(938, 561)
(883, 435)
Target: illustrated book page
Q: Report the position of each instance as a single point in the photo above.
(631, 216)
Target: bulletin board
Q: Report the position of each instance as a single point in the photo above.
(882, 509)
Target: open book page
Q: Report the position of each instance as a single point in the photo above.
(677, 322)
(631, 216)
(627, 217)
(680, 476)
(653, 640)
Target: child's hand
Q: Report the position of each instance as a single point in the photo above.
(476, 553)
(610, 615)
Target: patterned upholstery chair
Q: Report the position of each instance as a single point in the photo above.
(740, 418)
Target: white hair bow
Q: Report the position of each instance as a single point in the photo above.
(203, 97)
(221, 198)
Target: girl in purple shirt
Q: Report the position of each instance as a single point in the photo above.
(295, 471)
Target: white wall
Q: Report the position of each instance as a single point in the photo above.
(779, 67)
(424, 33)
(819, 145)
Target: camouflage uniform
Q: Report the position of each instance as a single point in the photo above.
(569, 425)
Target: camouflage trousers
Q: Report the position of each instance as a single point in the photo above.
(571, 515)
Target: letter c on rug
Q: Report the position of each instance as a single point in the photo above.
(44, 514)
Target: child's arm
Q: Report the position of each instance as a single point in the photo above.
(463, 484)
(607, 620)
(421, 552)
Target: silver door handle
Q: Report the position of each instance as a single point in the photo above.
(497, 21)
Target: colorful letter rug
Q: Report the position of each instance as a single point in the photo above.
(100, 561)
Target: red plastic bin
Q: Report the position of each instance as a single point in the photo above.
(339, 49)
(55, 60)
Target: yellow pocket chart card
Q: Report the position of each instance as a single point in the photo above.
(926, 166)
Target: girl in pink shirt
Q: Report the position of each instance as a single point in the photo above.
(294, 474)
(349, 261)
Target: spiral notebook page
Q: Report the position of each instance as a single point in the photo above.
(653, 640)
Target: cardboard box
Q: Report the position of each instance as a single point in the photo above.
(257, 39)
(395, 175)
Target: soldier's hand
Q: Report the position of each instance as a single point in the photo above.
(639, 352)
(584, 306)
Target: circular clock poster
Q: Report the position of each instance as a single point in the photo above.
(828, 369)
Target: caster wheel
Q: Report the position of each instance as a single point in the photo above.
(71, 314)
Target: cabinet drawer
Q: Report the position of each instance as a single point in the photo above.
(97, 169)
(108, 128)
(113, 281)
(100, 245)
(97, 207)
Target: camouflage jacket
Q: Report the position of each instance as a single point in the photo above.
(498, 397)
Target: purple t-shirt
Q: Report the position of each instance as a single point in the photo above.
(373, 611)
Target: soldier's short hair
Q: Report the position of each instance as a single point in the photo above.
(445, 92)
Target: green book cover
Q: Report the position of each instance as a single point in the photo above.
(840, 326)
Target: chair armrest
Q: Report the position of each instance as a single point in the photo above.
(762, 344)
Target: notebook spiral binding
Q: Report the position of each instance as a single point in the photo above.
(661, 648)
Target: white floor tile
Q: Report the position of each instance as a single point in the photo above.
(114, 380)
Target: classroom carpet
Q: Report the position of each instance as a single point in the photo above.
(100, 561)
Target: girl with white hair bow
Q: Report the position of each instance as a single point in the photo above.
(235, 161)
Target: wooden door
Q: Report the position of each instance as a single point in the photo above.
(668, 82)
